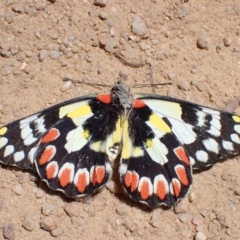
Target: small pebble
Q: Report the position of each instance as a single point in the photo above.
(191, 196)
(8, 231)
(48, 224)
(87, 199)
(18, 189)
(9, 16)
(138, 26)
(103, 38)
(54, 54)
(47, 208)
(39, 193)
(42, 55)
(156, 220)
(57, 232)
(100, 3)
(66, 86)
(197, 220)
(182, 206)
(109, 45)
(5, 46)
(237, 191)
(185, 217)
(122, 211)
(28, 223)
(203, 42)
(200, 236)
(227, 41)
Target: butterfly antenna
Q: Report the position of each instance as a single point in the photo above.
(86, 83)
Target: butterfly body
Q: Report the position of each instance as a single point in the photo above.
(158, 140)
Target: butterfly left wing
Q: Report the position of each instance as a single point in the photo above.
(70, 144)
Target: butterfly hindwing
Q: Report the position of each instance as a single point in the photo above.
(74, 155)
(155, 168)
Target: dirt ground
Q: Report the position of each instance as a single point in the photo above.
(194, 44)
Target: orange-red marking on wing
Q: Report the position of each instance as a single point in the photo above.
(128, 179)
(182, 155)
(65, 177)
(176, 187)
(144, 189)
(97, 174)
(161, 189)
(105, 98)
(138, 103)
(52, 134)
(182, 175)
(51, 171)
(135, 180)
(82, 182)
(47, 155)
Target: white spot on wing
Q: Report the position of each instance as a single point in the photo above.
(211, 145)
(8, 150)
(18, 156)
(75, 140)
(235, 138)
(27, 120)
(201, 118)
(202, 156)
(3, 141)
(29, 140)
(192, 161)
(157, 151)
(237, 128)
(227, 145)
(31, 154)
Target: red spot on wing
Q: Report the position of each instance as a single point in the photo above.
(128, 179)
(161, 189)
(131, 180)
(138, 103)
(51, 170)
(51, 135)
(65, 177)
(182, 175)
(97, 174)
(47, 155)
(176, 187)
(135, 180)
(105, 98)
(82, 181)
(182, 155)
(145, 189)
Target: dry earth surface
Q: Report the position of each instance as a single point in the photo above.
(193, 44)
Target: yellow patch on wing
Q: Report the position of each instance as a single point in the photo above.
(159, 123)
(3, 130)
(99, 146)
(236, 118)
(128, 150)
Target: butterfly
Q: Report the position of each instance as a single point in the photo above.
(158, 141)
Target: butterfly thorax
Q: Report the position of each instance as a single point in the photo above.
(122, 96)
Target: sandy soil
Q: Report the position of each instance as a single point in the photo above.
(193, 44)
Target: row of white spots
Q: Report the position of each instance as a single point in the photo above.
(212, 146)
